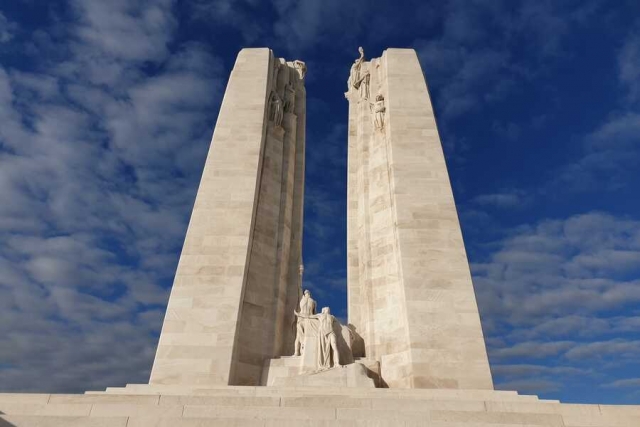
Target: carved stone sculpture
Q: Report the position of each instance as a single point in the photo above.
(321, 329)
(354, 74)
(378, 109)
(359, 78)
(275, 109)
(289, 98)
(307, 309)
(327, 345)
(301, 67)
(363, 87)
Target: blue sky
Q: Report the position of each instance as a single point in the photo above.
(106, 113)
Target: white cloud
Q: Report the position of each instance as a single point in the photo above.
(580, 326)
(611, 154)
(476, 59)
(561, 292)
(124, 30)
(611, 151)
(555, 268)
(97, 160)
(630, 382)
(622, 349)
(534, 350)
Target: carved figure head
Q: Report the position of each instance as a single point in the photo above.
(307, 293)
(379, 98)
(325, 310)
(361, 51)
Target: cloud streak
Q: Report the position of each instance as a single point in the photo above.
(100, 158)
(549, 293)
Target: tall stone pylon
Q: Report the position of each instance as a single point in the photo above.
(237, 282)
(410, 295)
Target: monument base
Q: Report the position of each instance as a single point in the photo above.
(353, 375)
(144, 405)
(278, 371)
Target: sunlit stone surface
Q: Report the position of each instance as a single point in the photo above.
(237, 282)
(410, 293)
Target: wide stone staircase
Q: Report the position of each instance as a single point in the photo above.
(143, 405)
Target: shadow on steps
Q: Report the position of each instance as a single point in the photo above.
(3, 422)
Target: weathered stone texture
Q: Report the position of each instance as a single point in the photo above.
(410, 291)
(229, 302)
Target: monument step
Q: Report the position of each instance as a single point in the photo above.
(40, 421)
(431, 394)
(283, 409)
(131, 404)
(199, 406)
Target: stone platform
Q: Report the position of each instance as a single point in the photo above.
(182, 406)
(353, 375)
(289, 371)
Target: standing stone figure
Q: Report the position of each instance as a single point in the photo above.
(327, 344)
(378, 109)
(354, 75)
(289, 98)
(359, 79)
(307, 309)
(275, 109)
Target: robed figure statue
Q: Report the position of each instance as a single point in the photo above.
(307, 309)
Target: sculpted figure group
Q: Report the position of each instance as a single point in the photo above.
(359, 81)
(323, 325)
(283, 99)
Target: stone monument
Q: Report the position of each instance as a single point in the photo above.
(409, 286)
(242, 345)
(237, 281)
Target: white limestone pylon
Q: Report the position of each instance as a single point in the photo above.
(410, 293)
(232, 300)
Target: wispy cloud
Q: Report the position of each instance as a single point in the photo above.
(548, 292)
(631, 382)
(608, 160)
(507, 199)
(475, 60)
(97, 158)
(629, 65)
(7, 29)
